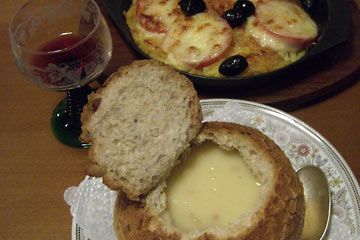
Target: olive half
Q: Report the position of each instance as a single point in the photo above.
(239, 13)
(234, 17)
(192, 7)
(233, 65)
(309, 6)
(245, 6)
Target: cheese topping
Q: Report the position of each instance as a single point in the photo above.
(212, 187)
(267, 40)
(286, 19)
(156, 15)
(283, 26)
(198, 41)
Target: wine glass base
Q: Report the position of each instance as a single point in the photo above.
(62, 128)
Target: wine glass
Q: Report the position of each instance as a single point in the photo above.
(62, 45)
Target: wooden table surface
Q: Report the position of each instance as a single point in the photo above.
(36, 169)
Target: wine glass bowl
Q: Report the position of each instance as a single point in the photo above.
(61, 45)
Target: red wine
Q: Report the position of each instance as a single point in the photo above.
(67, 61)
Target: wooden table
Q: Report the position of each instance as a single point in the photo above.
(36, 169)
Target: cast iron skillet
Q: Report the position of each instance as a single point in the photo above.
(332, 17)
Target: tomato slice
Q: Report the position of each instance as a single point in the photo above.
(156, 15)
(199, 40)
(287, 22)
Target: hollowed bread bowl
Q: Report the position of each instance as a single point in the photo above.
(278, 214)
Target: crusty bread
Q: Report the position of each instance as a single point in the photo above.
(278, 216)
(138, 125)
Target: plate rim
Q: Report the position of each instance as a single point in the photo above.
(351, 179)
(298, 121)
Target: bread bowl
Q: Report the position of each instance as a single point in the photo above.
(145, 121)
(277, 214)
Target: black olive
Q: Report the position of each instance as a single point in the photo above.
(308, 5)
(192, 7)
(245, 6)
(233, 65)
(234, 17)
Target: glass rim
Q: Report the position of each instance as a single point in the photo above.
(12, 39)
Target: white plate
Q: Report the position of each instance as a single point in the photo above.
(303, 146)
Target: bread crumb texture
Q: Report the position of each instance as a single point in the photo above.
(138, 124)
(279, 215)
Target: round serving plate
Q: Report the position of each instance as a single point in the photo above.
(333, 20)
(302, 144)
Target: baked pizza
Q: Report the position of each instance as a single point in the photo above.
(222, 38)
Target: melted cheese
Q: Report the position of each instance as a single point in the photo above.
(156, 15)
(282, 26)
(287, 19)
(198, 41)
(212, 187)
(267, 40)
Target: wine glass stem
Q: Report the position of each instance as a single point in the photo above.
(76, 100)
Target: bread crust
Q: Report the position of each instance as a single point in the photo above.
(137, 101)
(280, 218)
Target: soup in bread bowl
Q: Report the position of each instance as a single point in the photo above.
(233, 183)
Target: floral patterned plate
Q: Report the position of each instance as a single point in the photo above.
(92, 202)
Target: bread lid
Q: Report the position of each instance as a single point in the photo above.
(138, 124)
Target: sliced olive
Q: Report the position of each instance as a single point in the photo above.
(245, 6)
(308, 5)
(192, 7)
(233, 65)
(234, 17)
